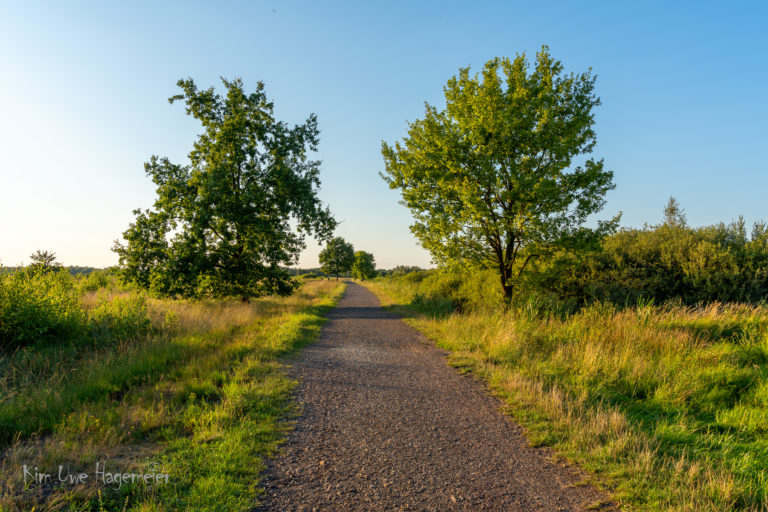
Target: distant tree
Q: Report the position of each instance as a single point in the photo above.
(78, 270)
(337, 257)
(405, 269)
(364, 266)
(488, 178)
(44, 261)
(222, 224)
(674, 215)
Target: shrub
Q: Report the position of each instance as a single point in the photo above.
(95, 280)
(712, 263)
(441, 292)
(37, 306)
(122, 318)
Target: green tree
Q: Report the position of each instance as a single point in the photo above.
(221, 226)
(674, 215)
(364, 266)
(337, 257)
(489, 178)
(43, 261)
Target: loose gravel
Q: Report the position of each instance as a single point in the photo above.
(387, 425)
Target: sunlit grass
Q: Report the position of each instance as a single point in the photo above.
(203, 395)
(666, 406)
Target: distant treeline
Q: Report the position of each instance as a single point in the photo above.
(73, 270)
(77, 270)
(396, 271)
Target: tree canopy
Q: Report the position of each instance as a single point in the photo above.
(674, 215)
(222, 225)
(364, 266)
(489, 179)
(43, 261)
(337, 257)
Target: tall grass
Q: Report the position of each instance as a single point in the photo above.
(667, 406)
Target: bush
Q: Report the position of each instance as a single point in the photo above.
(441, 292)
(122, 318)
(40, 306)
(37, 306)
(693, 265)
(95, 280)
(308, 275)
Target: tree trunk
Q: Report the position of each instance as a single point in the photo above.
(505, 276)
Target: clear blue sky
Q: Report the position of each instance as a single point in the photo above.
(83, 90)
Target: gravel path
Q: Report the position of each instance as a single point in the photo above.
(387, 425)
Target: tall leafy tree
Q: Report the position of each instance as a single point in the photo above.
(222, 225)
(364, 266)
(489, 179)
(337, 257)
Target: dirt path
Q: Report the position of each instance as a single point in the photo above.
(387, 425)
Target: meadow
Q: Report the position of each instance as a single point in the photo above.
(666, 405)
(96, 372)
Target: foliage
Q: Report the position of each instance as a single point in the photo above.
(43, 261)
(488, 178)
(221, 225)
(95, 280)
(38, 305)
(657, 263)
(441, 292)
(337, 257)
(668, 261)
(400, 270)
(122, 318)
(364, 266)
(674, 215)
(78, 270)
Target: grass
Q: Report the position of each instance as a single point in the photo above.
(202, 397)
(666, 406)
